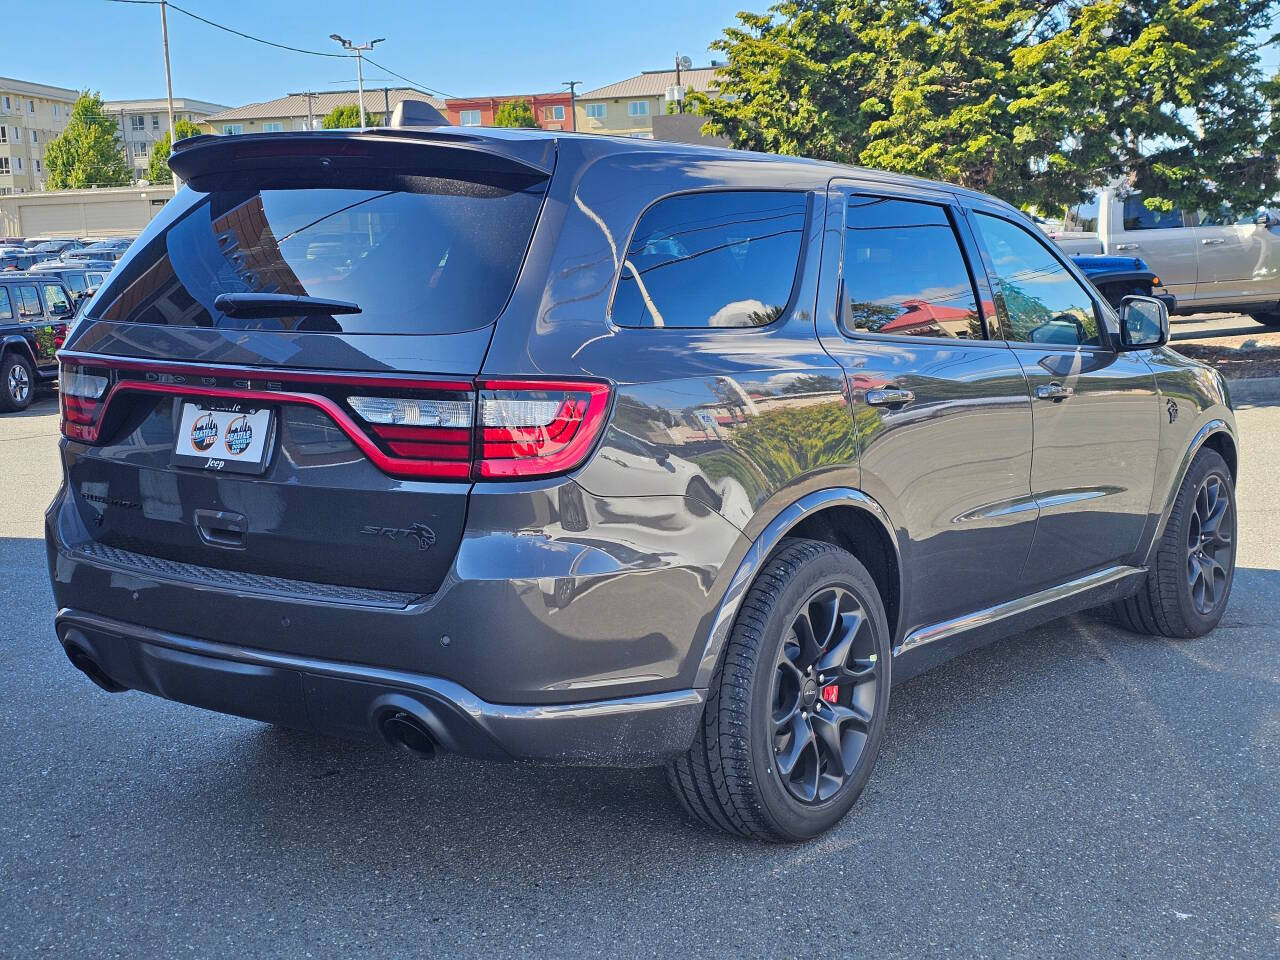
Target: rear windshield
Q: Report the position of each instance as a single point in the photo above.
(438, 256)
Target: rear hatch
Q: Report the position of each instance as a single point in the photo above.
(277, 379)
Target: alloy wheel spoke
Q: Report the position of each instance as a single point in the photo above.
(826, 729)
(837, 655)
(810, 648)
(802, 739)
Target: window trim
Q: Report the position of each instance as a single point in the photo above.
(979, 282)
(479, 115)
(7, 301)
(602, 115)
(988, 262)
(801, 257)
(637, 103)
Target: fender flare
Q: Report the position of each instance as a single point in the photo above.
(1211, 428)
(18, 342)
(759, 551)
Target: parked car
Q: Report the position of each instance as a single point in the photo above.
(15, 261)
(56, 248)
(111, 250)
(34, 313)
(1120, 277)
(78, 277)
(289, 496)
(1216, 261)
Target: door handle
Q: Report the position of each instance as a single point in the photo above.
(1213, 241)
(1126, 246)
(1053, 391)
(889, 398)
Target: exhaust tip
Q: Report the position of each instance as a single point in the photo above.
(407, 732)
(84, 662)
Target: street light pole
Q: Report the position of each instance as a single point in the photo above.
(359, 49)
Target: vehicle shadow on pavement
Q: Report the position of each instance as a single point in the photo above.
(1064, 770)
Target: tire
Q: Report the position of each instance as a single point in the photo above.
(1267, 319)
(1169, 604)
(17, 382)
(731, 777)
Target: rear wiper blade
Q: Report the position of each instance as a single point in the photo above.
(279, 304)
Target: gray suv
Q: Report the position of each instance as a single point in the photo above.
(582, 449)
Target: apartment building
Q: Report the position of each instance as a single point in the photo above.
(31, 114)
(304, 111)
(627, 108)
(553, 111)
(143, 122)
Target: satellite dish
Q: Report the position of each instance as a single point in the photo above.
(686, 63)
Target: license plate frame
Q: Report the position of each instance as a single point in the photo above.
(223, 436)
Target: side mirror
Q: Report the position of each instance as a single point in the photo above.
(1264, 218)
(1144, 323)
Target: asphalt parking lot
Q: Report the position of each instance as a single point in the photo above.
(1074, 791)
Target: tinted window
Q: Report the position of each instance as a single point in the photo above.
(1138, 217)
(904, 273)
(55, 298)
(1042, 302)
(712, 260)
(75, 281)
(28, 301)
(1083, 217)
(6, 308)
(440, 258)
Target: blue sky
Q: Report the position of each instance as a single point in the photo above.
(464, 49)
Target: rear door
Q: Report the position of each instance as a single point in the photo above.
(1239, 259)
(1096, 410)
(942, 411)
(323, 445)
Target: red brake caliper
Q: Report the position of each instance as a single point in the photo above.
(830, 692)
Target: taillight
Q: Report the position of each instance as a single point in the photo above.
(82, 391)
(435, 432)
(536, 428)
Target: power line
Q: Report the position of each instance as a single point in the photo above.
(419, 86)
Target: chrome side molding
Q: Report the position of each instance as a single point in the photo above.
(1012, 608)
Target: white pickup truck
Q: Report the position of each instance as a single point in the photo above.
(1208, 261)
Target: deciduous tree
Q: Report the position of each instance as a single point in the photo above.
(514, 113)
(158, 168)
(347, 117)
(88, 152)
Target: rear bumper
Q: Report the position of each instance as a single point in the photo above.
(352, 701)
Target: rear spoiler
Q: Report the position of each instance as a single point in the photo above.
(421, 150)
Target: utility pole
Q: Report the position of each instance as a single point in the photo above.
(386, 106)
(573, 102)
(311, 119)
(680, 101)
(168, 82)
(359, 49)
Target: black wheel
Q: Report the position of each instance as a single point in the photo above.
(17, 382)
(1186, 590)
(796, 709)
(1267, 319)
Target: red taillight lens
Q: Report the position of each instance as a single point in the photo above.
(82, 392)
(435, 432)
(536, 428)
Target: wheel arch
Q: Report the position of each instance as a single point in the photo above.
(843, 516)
(1217, 435)
(17, 344)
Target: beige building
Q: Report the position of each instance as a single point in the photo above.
(104, 212)
(143, 122)
(304, 111)
(31, 114)
(627, 108)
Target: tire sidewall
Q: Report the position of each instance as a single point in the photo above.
(7, 402)
(788, 817)
(1207, 463)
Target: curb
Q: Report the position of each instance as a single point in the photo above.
(1254, 390)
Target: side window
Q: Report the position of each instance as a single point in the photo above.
(55, 298)
(28, 301)
(6, 308)
(723, 259)
(1138, 217)
(1083, 217)
(1042, 302)
(904, 273)
(75, 281)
